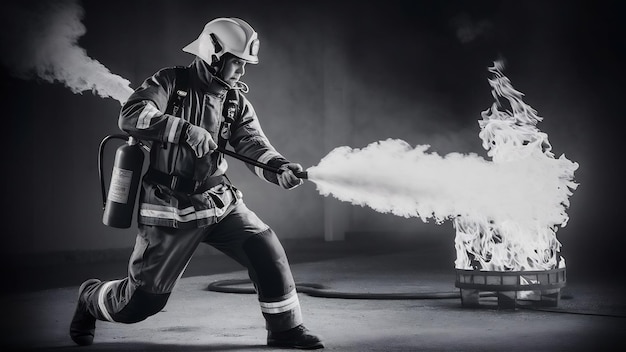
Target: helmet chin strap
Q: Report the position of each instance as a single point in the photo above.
(218, 68)
(242, 87)
(221, 81)
(239, 85)
(215, 70)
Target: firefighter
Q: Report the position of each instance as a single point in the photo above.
(186, 198)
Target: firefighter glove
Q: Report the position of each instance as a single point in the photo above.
(286, 178)
(200, 140)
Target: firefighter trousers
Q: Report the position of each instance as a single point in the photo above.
(161, 255)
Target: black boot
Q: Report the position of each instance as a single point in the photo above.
(83, 326)
(298, 337)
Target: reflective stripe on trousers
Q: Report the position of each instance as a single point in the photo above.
(162, 253)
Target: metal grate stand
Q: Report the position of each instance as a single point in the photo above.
(510, 288)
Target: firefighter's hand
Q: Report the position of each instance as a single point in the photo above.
(200, 140)
(286, 179)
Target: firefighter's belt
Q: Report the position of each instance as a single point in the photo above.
(183, 184)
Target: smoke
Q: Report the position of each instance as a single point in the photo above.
(40, 39)
(468, 30)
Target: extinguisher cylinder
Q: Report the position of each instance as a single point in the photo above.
(122, 194)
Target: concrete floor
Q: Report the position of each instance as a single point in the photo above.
(591, 315)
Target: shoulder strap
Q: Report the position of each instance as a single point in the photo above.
(181, 86)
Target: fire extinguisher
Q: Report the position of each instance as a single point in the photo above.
(119, 203)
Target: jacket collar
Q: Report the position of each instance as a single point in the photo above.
(208, 82)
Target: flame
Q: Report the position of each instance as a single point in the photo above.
(510, 136)
(505, 211)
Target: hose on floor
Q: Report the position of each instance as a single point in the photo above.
(321, 291)
(318, 290)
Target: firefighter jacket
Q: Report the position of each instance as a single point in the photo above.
(145, 117)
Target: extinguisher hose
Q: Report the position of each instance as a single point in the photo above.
(103, 143)
(245, 159)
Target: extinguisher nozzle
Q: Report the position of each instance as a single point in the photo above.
(302, 174)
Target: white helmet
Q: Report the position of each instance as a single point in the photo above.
(226, 35)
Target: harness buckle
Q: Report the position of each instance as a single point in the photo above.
(174, 182)
(197, 185)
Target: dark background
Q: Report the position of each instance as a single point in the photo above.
(414, 70)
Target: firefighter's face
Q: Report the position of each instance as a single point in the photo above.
(234, 68)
